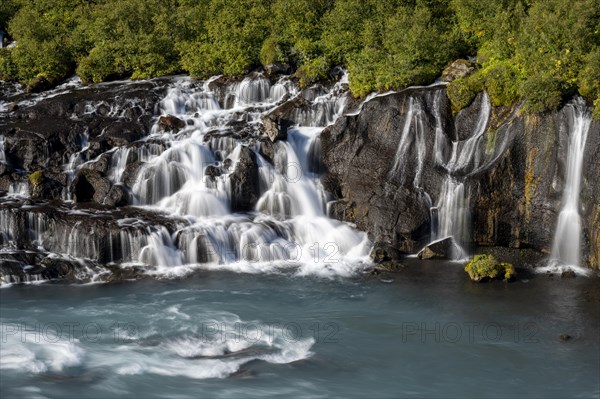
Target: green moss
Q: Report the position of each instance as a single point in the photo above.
(487, 267)
(8, 68)
(36, 178)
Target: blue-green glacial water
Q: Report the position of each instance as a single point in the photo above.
(424, 332)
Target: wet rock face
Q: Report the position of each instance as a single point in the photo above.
(516, 193)
(279, 120)
(43, 132)
(171, 123)
(89, 185)
(442, 249)
(244, 181)
(358, 154)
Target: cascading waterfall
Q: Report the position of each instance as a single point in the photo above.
(185, 176)
(566, 249)
(451, 214)
(414, 121)
(2, 152)
(75, 160)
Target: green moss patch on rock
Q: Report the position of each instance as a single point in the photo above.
(487, 267)
(36, 179)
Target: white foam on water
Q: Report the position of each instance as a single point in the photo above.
(216, 354)
(38, 353)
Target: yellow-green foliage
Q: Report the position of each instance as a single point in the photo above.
(312, 71)
(463, 91)
(542, 51)
(36, 178)
(483, 267)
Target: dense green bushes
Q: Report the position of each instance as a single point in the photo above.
(539, 50)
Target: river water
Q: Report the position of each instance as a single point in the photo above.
(424, 332)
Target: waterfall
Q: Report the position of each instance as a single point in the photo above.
(183, 192)
(451, 215)
(2, 151)
(413, 133)
(566, 248)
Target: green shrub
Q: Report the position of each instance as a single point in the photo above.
(312, 71)
(487, 267)
(8, 69)
(501, 83)
(541, 93)
(538, 50)
(271, 52)
(461, 92)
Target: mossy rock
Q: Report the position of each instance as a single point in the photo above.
(36, 179)
(487, 267)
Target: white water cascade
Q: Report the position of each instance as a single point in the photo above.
(451, 214)
(566, 249)
(2, 151)
(185, 194)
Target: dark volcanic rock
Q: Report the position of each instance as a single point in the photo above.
(171, 123)
(358, 155)
(116, 196)
(45, 187)
(442, 249)
(515, 180)
(88, 185)
(48, 132)
(245, 182)
(279, 120)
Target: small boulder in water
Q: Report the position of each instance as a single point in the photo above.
(487, 267)
(384, 252)
(171, 123)
(387, 258)
(568, 274)
(565, 337)
(275, 128)
(279, 120)
(442, 249)
(212, 171)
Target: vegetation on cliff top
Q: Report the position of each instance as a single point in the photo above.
(538, 50)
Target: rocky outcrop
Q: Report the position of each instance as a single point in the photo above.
(441, 249)
(458, 69)
(514, 182)
(244, 182)
(85, 232)
(171, 123)
(89, 185)
(279, 120)
(358, 154)
(43, 131)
